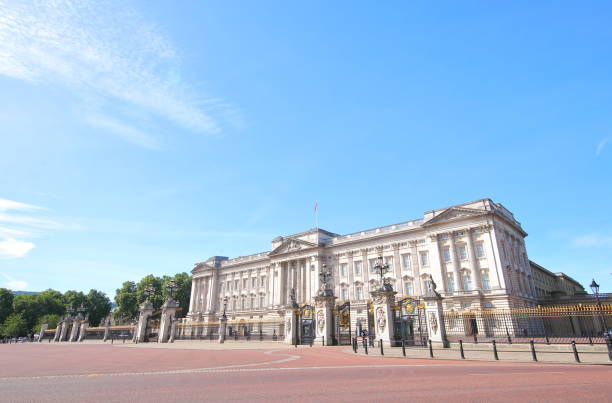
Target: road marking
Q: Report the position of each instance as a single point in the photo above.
(520, 373)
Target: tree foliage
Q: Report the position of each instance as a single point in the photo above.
(6, 303)
(127, 303)
(15, 325)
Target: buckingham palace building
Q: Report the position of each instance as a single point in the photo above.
(474, 253)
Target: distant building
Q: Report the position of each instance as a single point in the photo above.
(551, 285)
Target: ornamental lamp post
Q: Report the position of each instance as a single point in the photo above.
(149, 291)
(382, 268)
(606, 332)
(171, 288)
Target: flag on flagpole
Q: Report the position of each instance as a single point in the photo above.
(316, 206)
(316, 212)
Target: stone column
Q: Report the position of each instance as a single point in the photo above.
(146, 310)
(456, 266)
(474, 262)
(167, 318)
(58, 331)
(397, 263)
(441, 264)
(415, 265)
(325, 305)
(351, 275)
(222, 328)
(365, 267)
(192, 297)
(434, 315)
(383, 302)
(276, 284)
(270, 286)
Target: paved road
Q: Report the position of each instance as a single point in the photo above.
(92, 373)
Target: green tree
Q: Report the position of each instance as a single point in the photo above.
(15, 326)
(182, 293)
(52, 320)
(98, 306)
(127, 303)
(28, 308)
(156, 282)
(74, 299)
(6, 303)
(51, 302)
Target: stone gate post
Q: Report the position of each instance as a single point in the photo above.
(434, 315)
(146, 310)
(84, 326)
(74, 332)
(43, 327)
(64, 333)
(167, 317)
(58, 331)
(383, 301)
(324, 318)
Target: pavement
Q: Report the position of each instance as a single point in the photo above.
(96, 372)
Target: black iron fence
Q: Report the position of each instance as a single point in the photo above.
(550, 325)
(234, 330)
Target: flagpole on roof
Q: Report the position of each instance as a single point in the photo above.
(316, 211)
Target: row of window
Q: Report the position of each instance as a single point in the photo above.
(229, 286)
(245, 303)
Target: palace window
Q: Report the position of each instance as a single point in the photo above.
(253, 282)
(236, 285)
(484, 277)
(479, 248)
(262, 282)
(467, 282)
(243, 302)
(245, 283)
(343, 267)
(406, 261)
(389, 261)
(252, 304)
(424, 258)
(357, 268)
(343, 293)
(359, 292)
(427, 285)
(408, 289)
(462, 252)
(372, 263)
(446, 255)
(450, 283)
(262, 301)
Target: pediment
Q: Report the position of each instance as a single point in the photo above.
(291, 245)
(200, 267)
(454, 213)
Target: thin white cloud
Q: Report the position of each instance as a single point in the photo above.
(12, 284)
(6, 205)
(602, 144)
(103, 49)
(18, 224)
(125, 131)
(11, 248)
(592, 241)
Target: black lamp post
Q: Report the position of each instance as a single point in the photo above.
(171, 288)
(149, 291)
(382, 268)
(595, 288)
(223, 315)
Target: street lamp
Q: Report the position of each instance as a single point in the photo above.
(171, 288)
(595, 288)
(223, 315)
(382, 268)
(149, 291)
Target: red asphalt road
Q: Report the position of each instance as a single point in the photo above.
(66, 373)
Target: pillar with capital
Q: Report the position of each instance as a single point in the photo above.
(383, 301)
(43, 327)
(325, 302)
(146, 310)
(291, 322)
(168, 317)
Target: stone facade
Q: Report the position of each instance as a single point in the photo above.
(475, 252)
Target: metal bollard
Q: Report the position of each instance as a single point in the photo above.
(382, 352)
(403, 348)
(431, 355)
(547, 340)
(323, 340)
(495, 350)
(311, 341)
(576, 357)
(509, 339)
(461, 349)
(124, 340)
(112, 341)
(365, 346)
(475, 339)
(533, 352)
(590, 340)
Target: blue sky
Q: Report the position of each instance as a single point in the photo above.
(141, 137)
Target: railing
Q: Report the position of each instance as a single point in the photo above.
(234, 330)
